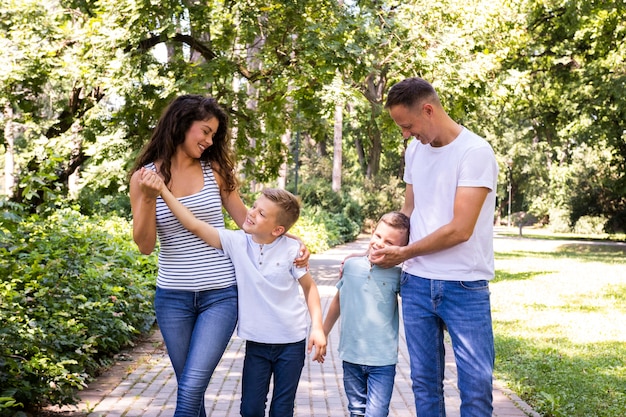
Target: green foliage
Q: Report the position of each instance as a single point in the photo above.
(84, 83)
(561, 89)
(328, 218)
(589, 225)
(378, 197)
(73, 291)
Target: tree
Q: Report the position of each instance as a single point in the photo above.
(564, 83)
(118, 82)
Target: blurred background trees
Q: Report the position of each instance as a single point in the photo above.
(83, 83)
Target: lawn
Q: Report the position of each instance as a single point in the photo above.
(559, 311)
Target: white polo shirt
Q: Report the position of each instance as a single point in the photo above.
(271, 307)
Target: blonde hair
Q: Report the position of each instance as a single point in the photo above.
(288, 204)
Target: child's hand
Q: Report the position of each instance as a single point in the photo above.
(344, 261)
(150, 182)
(317, 339)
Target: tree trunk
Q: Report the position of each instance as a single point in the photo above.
(283, 172)
(373, 163)
(337, 147)
(252, 102)
(9, 156)
(373, 88)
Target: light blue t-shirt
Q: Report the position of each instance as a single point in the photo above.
(271, 307)
(368, 297)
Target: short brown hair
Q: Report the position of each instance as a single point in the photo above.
(397, 220)
(288, 204)
(411, 91)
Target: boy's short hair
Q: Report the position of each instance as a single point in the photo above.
(288, 204)
(397, 220)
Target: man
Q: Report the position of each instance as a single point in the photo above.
(450, 176)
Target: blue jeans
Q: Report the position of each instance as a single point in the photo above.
(463, 307)
(262, 360)
(368, 389)
(196, 327)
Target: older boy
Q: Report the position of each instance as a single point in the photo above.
(367, 299)
(272, 315)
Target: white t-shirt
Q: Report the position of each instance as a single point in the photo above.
(435, 174)
(271, 307)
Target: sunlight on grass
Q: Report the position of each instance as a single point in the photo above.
(559, 312)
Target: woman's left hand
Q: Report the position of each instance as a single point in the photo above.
(303, 260)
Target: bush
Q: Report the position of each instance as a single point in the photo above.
(321, 230)
(73, 291)
(377, 197)
(328, 218)
(559, 221)
(590, 225)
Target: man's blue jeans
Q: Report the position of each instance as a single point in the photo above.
(196, 327)
(285, 362)
(368, 388)
(463, 307)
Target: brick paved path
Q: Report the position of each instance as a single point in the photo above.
(150, 389)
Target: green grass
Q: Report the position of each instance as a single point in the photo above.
(543, 233)
(559, 311)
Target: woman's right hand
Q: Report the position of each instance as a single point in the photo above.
(150, 183)
(143, 196)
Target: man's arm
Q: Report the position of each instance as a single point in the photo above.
(467, 205)
(409, 201)
(317, 337)
(199, 228)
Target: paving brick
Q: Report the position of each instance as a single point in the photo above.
(150, 389)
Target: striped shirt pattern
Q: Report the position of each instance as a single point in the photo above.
(186, 262)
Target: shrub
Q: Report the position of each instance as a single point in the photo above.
(377, 197)
(321, 230)
(559, 221)
(590, 225)
(73, 291)
(334, 217)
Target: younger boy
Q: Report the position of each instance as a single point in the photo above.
(272, 315)
(367, 299)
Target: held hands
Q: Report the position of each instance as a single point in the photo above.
(317, 339)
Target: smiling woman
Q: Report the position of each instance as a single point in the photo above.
(196, 296)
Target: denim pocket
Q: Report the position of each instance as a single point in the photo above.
(482, 284)
(404, 278)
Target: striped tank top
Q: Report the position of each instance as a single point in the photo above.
(186, 262)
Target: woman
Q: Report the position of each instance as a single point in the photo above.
(196, 295)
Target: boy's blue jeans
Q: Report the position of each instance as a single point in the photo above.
(196, 327)
(285, 361)
(368, 388)
(464, 308)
